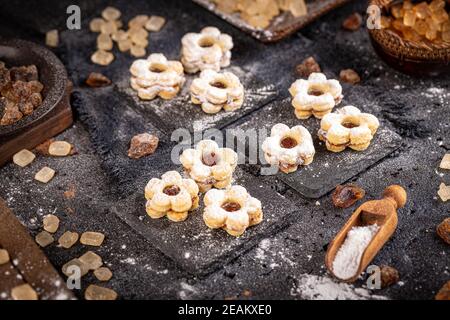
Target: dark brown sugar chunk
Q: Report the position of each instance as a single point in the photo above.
(142, 145)
(96, 80)
(345, 196)
(24, 73)
(308, 66)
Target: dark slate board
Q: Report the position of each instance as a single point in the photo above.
(195, 247)
(328, 169)
(180, 112)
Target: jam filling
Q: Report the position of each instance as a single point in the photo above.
(206, 43)
(315, 92)
(219, 84)
(157, 69)
(231, 206)
(210, 159)
(172, 190)
(288, 143)
(350, 125)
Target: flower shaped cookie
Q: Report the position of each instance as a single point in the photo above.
(172, 196)
(316, 96)
(233, 209)
(348, 127)
(156, 76)
(209, 49)
(216, 91)
(288, 148)
(209, 165)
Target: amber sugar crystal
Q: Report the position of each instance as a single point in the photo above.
(345, 196)
(260, 13)
(419, 22)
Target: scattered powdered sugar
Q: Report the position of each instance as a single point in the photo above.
(436, 90)
(440, 94)
(187, 291)
(131, 261)
(264, 244)
(262, 248)
(159, 272)
(347, 260)
(270, 253)
(61, 296)
(311, 287)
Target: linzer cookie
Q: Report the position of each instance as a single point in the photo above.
(233, 209)
(348, 127)
(316, 96)
(215, 91)
(209, 49)
(172, 196)
(156, 76)
(209, 165)
(288, 148)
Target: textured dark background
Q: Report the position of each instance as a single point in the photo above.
(416, 109)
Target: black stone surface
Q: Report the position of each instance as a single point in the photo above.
(181, 113)
(417, 109)
(328, 169)
(197, 248)
(178, 112)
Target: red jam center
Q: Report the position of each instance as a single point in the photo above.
(350, 125)
(171, 190)
(157, 68)
(231, 206)
(315, 92)
(210, 159)
(288, 143)
(206, 43)
(218, 84)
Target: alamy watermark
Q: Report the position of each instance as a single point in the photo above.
(374, 17)
(74, 278)
(73, 21)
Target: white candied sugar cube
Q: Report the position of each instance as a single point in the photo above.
(23, 158)
(445, 163)
(45, 175)
(52, 38)
(155, 23)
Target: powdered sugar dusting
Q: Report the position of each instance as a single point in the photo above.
(311, 287)
(440, 94)
(348, 258)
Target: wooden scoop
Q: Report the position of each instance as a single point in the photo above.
(382, 212)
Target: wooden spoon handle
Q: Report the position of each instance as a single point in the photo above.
(396, 194)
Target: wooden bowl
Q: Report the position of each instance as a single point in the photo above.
(53, 116)
(52, 75)
(415, 58)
